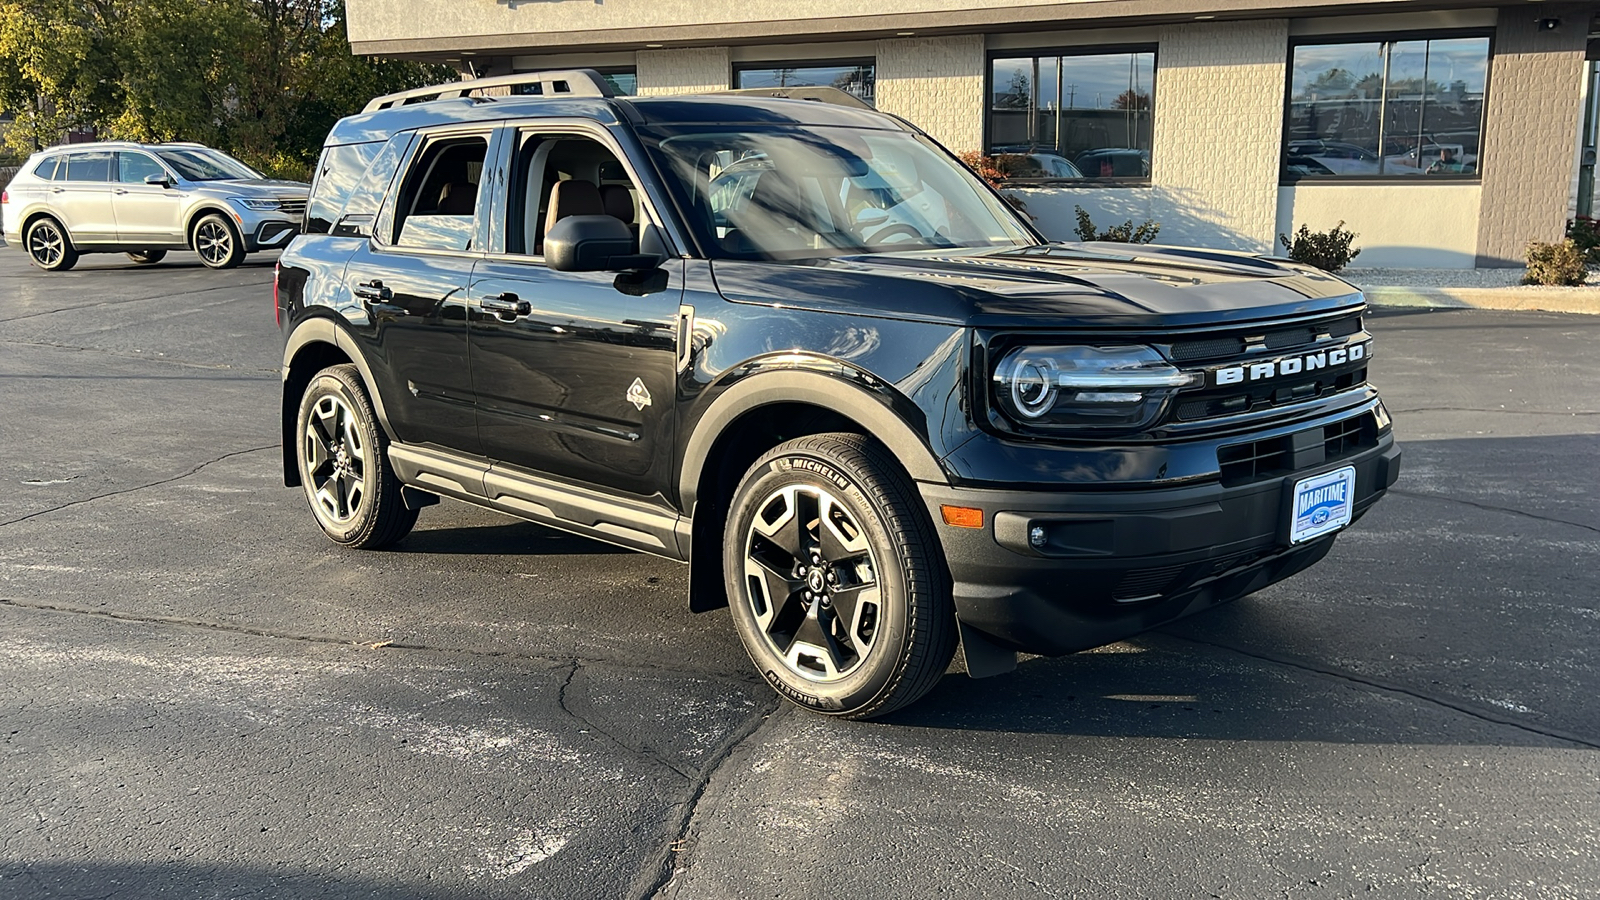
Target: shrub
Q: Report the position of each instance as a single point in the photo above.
(1562, 264)
(1328, 250)
(1126, 233)
(1585, 233)
(984, 167)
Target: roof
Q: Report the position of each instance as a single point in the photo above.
(118, 145)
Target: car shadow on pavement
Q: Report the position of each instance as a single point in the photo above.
(513, 539)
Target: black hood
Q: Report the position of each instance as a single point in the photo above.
(1052, 285)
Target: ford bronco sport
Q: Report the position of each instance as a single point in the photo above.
(795, 344)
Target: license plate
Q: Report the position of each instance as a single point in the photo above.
(1322, 503)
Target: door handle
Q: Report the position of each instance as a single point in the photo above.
(506, 304)
(373, 290)
(119, 191)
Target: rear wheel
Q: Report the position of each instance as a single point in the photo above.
(218, 242)
(344, 465)
(49, 247)
(835, 579)
(147, 257)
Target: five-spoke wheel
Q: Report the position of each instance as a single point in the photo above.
(353, 493)
(834, 577)
(48, 245)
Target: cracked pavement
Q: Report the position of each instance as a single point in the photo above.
(200, 696)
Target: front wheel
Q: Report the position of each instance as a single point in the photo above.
(344, 468)
(218, 242)
(835, 578)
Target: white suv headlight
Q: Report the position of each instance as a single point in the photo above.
(254, 203)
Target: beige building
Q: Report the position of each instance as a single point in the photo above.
(1444, 134)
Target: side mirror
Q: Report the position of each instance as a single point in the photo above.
(158, 178)
(594, 244)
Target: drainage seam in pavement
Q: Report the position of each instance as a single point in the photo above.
(140, 487)
(1393, 687)
(267, 372)
(164, 296)
(1491, 508)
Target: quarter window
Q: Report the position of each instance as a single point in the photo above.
(47, 170)
(1068, 115)
(337, 173)
(859, 78)
(1387, 109)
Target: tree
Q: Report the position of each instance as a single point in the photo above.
(1131, 99)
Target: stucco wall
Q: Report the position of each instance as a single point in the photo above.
(1530, 130)
(937, 84)
(1218, 130)
(1399, 225)
(683, 71)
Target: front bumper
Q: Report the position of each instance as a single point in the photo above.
(1116, 564)
(271, 234)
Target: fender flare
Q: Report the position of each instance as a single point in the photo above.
(321, 330)
(862, 398)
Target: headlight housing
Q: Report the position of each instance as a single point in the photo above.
(1120, 387)
(255, 203)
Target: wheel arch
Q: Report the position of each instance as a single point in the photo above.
(200, 212)
(762, 411)
(45, 212)
(315, 344)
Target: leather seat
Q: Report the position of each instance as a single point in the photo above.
(458, 198)
(573, 198)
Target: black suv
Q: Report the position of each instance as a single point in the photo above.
(796, 344)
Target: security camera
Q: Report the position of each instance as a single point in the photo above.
(1549, 24)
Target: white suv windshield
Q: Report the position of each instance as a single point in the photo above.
(197, 164)
(799, 193)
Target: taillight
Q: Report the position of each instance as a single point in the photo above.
(5, 196)
(277, 311)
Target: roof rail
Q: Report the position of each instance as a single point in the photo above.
(815, 94)
(555, 83)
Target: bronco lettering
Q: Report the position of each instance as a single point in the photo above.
(1289, 365)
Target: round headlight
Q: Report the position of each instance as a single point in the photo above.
(1034, 385)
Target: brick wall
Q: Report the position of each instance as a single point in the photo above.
(683, 71)
(1530, 131)
(1218, 130)
(937, 85)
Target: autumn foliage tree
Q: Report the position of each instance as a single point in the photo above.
(263, 79)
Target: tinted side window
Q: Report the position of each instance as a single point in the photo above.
(134, 168)
(47, 169)
(89, 167)
(337, 174)
(436, 205)
(362, 208)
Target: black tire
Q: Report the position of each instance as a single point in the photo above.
(218, 242)
(344, 463)
(875, 630)
(147, 257)
(48, 245)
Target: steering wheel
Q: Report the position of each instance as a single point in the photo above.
(888, 234)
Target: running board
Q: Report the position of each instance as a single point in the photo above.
(582, 511)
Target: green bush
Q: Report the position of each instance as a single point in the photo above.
(1328, 250)
(1585, 232)
(1563, 264)
(1125, 233)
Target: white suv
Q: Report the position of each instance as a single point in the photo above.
(146, 199)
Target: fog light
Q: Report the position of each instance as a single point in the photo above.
(1036, 536)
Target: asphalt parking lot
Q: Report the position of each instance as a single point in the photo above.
(200, 696)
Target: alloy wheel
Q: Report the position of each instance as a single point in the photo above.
(812, 582)
(45, 244)
(336, 459)
(214, 242)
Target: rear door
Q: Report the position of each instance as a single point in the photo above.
(410, 280)
(147, 215)
(83, 200)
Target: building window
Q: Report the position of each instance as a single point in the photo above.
(858, 77)
(1386, 109)
(1073, 115)
(623, 79)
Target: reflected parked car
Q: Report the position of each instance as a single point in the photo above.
(1338, 157)
(1114, 162)
(144, 200)
(1036, 164)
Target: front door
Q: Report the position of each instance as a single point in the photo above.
(574, 371)
(83, 200)
(148, 215)
(411, 280)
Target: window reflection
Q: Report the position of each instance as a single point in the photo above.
(1072, 116)
(859, 79)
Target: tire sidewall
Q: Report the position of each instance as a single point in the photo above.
(879, 670)
(325, 383)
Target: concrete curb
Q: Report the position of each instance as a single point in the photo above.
(1549, 299)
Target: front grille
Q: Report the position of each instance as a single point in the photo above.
(1223, 347)
(1141, 584)
(1271, 457)
(295, 206)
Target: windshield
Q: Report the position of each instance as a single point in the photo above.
(801, 193)
(205, 164)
